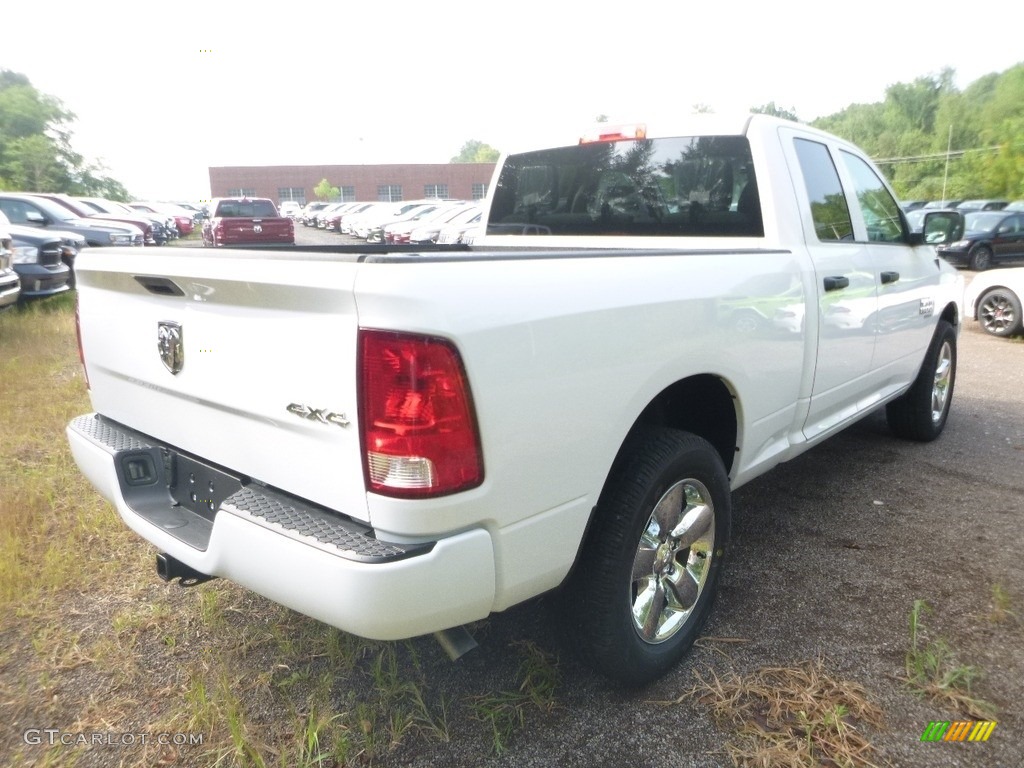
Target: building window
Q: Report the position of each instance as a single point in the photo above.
(479, 191)
(348, 194)
(243, 192)
(439, 191)
(296, 194)
(389, 193)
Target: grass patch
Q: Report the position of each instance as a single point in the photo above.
(791, 717)
(505, 712)
(1002, 603)
(933, 669)
(51, 520)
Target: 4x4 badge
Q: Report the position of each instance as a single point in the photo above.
(321, 415)
(170, 343)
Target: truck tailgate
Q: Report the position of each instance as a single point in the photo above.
(265, 349)
(279, 231)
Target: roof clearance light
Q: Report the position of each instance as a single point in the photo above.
(604, 132)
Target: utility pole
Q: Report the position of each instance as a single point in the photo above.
(949, 145)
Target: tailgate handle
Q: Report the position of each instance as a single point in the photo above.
(835, 283)
(890, 277)
(161, 286)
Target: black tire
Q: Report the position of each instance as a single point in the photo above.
(981, 258)
(630, 560)
(999, 312)
(921, 413)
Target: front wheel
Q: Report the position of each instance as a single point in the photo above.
(981, 258)
(999, 312)
(921, 413)
(649, 568)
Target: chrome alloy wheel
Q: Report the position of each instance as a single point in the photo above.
(943, 377)
(672, 563)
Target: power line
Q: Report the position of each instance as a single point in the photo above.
(957, 153)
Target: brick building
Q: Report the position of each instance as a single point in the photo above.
(460, 181)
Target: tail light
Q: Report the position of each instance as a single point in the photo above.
(78, 335)
(418, 427)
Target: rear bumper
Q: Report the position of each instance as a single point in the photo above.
(312, 560)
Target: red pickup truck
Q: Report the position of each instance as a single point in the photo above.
(247, 221)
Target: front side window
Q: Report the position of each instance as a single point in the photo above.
(880, 210)
(684, 186)
(829, 210)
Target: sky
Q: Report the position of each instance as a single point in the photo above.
(162, 91)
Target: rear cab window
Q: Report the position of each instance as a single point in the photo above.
(684, 186)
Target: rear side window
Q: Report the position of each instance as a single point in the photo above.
(881, 212)
(686, 186)
(829, 211)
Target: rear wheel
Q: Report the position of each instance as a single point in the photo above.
(921, 413)
(649, 568)
(999, 312)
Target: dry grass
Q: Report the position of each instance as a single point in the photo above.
(791, 717)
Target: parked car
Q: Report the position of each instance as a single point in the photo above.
(182, 218)
(247, 221)
(988, 236)
(912, 205)
(373, 231)
(429, 231)
(37, 256)
(1016, 205)
(400, 232)
(994, 300)
(156, 222)
(290, 208)
(10, 284)
(457, 233)
(26, 210)
(80, 209)
(309, 212)
(982, 205)
(931, 205)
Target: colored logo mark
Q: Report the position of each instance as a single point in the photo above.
(958, 730)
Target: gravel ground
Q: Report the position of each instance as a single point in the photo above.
(830, 552)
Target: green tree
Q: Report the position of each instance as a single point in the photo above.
(324, 191)
(35, 144)
(771, 109)
(32, 163)
(474, 151)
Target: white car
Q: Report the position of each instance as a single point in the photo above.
(994, 300)
(291, 209)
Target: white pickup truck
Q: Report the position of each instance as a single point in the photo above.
(403, 442)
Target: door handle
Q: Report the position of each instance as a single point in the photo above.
(890, 277)
(836, 282)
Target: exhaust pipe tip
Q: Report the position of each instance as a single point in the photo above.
(169, 569)
(456, 642)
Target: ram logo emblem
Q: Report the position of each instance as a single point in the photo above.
(171, 345)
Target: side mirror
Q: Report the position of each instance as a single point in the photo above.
(941, 228)
(35, 218)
